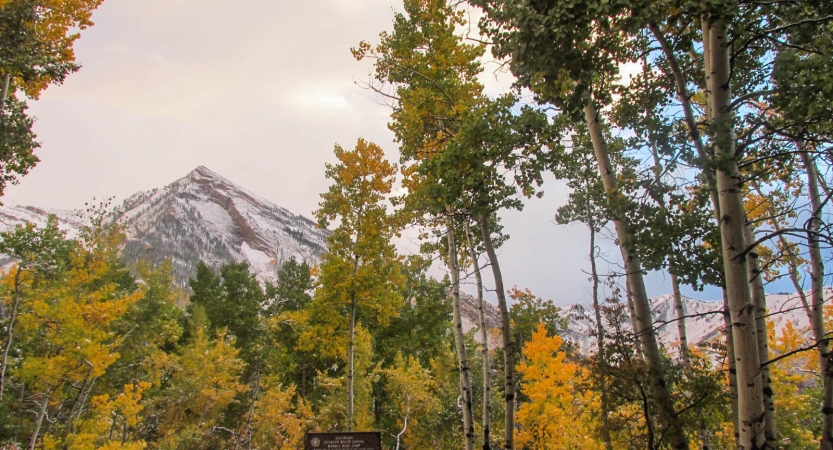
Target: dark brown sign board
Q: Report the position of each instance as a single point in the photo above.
(369, 440)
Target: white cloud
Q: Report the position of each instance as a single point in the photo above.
(322, 102)
(258, 91)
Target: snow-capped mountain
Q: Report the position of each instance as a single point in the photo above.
(201, 216)
(703, 319)
(204, 216)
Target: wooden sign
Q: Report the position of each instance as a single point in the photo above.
(371, 440)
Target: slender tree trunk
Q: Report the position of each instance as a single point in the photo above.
(33, 439)
(679, 309)
(696, 138)
(484, 348)
(10, 332)
(4, 94)
(673, 428)
(682, 91)
(685, 354)
(733, 220)
(255, 393)
(817, 298)
(711, 180)
(792, 262)
(675, 284)
(600, 337)
(634, 324)
(732, 372)
(787, 249)
(508, 345)
(351, 349)
(78, 405)
(405, 424)
(759, 298)
(459, 342)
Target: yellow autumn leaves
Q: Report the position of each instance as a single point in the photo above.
(561, 412)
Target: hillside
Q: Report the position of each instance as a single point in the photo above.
(201, 216)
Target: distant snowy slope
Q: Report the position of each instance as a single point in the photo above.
(69, 220)
(205, 217)
(201, 216)
(703, 320)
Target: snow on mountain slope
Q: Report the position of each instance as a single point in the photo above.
(70, 220)
(201, 216)
(703, 320)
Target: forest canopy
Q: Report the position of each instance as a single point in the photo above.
(709, 162)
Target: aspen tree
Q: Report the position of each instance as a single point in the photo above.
(37, 250)
(37, 39)
(484, 336)
(433, 79)
(360, 266)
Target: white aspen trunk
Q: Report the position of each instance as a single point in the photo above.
(33, 439)
(4, 94)
(600, 335)
(672, 426)
(713, 194)
(508, 345)
(759, 298)
(733, 220)
(679, 309)
(459, 342)
(732, 373)
(682, 92)
(817, 298)
(634, 326)
(10, 332)
(351, 350)
(484, 348)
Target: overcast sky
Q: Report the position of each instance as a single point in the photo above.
(258, 91)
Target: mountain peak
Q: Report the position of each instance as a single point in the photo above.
(202, 172)
(203, 217)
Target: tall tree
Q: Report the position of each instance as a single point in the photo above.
(567, 54)
(484, 344)
(36, 50)
(361, 267)
(457, 144)
(38, 252)
(434, 76)
(68, 332)
(560, 413)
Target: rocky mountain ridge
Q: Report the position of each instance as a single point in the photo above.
(703, 320)
(203, 216)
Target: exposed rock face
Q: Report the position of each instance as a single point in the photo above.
(204, 216)
(469, 312)
(201, 216)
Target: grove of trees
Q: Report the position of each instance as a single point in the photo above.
(707, 160)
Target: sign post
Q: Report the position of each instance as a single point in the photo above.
(370, 440)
